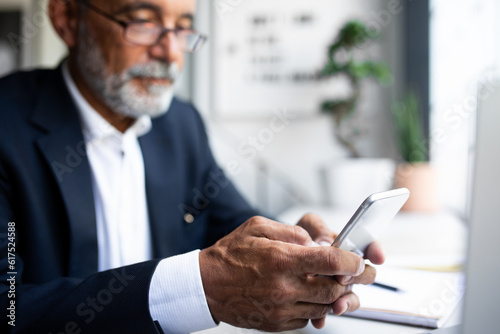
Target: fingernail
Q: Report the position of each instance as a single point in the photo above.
(343, 310)
(324, 243)
(361, 266)
(347, 279)
(314, 244)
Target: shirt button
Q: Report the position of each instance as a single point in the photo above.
(188, 218)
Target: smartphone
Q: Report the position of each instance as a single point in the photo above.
(370, 220)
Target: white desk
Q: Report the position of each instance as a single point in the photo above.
(413, 240)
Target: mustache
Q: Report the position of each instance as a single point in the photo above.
(156, 70)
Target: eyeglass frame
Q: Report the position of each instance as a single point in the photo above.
(163, 32)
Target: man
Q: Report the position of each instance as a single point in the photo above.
(101, 188)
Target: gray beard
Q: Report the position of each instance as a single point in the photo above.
(117, 90)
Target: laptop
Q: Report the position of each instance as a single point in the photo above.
(482, 295)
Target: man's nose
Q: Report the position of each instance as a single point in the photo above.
(168, 49)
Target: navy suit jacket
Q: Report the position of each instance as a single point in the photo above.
(46, 192)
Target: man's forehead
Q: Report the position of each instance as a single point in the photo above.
(160, 6)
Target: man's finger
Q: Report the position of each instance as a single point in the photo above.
(347, 303)
(311, 311)
(317, 229)
(263, 227)
(304, 311)
(281, 326)
(327, 261)
(318, 323)
(367, 277)
(321, 290)
(292, 324)
(375, 253)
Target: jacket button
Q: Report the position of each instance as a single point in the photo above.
(188, 218)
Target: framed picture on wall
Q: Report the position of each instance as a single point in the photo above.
(266, 55)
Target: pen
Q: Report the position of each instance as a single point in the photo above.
(387, 287)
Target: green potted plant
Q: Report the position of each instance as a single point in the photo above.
(346, 182)
(341, 62)
(414, 171)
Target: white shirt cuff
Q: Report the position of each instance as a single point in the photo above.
(176, 296)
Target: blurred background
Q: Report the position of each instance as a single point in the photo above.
(290, 137)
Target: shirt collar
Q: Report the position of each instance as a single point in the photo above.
(94, 126)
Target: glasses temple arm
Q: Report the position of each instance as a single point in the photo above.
(103, 13)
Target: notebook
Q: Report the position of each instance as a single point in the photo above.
(425, 299)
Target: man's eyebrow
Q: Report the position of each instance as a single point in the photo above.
(147, 5)
(188, 16)
(130, 7)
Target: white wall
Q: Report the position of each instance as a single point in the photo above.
(50, 50)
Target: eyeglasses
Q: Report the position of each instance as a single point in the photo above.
(149, 34)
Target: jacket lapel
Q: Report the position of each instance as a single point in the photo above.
(63, 148)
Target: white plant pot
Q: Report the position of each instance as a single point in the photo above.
(347, 182)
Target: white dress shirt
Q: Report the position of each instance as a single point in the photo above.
(176, 296)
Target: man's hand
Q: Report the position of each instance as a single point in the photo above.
(322, 235)
(259, 277)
